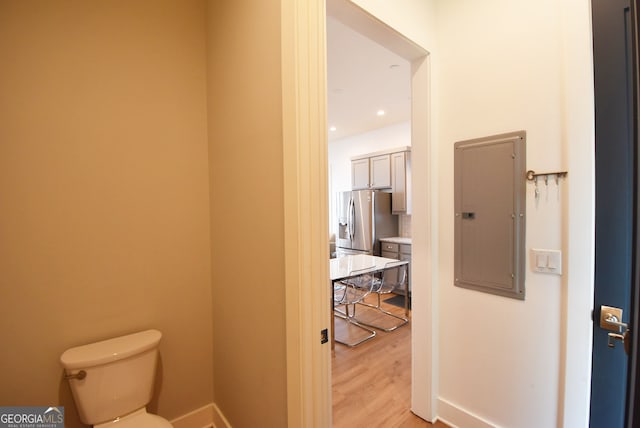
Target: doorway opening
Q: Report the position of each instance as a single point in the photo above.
(423, 326)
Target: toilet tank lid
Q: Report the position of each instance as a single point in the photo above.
(95, 354)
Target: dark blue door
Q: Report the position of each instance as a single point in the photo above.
(615, 192)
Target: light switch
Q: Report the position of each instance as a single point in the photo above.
(553, 261)
(547, 261)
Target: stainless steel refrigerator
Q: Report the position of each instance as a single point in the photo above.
(364, 216)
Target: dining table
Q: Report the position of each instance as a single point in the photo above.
(342, 267)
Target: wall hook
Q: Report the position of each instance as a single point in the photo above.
(532, 175)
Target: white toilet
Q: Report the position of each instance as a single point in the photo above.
(112, 381)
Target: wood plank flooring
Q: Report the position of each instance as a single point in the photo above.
(371, 383)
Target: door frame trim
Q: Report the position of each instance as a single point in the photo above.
(579, 218)
(305, 212)
(633, 383)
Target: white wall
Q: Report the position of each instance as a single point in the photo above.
(414, 19)
(497, 66)
(502, 67)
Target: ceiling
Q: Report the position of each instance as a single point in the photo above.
(362, 78)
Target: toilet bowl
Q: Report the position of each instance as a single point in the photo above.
(112, 380)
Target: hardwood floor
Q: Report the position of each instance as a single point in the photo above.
(371, 383)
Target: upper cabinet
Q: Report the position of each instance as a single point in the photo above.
(387, 171)
(360, 174)
(401, 183)
(371, 172)
(380, 172)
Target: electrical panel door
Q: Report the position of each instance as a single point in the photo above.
(489, 196)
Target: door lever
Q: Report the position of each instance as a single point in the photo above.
(613, 337)
(614, 321)
(610, 320)
(624, 338)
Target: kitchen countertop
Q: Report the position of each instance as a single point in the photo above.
(397, 240)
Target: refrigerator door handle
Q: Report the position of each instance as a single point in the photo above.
(348, 220)
(352, 218)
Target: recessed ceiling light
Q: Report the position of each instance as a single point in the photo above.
(380, 113)
(332, 128)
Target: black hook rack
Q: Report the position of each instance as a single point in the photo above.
(532, 175)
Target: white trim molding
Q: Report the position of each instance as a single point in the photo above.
(208, 416)
(579, 217)
(306, 212)
(200, 418)
(424, 332)
(455, 416)
(218, 419)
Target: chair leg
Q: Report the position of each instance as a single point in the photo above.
(351, 320)
(378, 307)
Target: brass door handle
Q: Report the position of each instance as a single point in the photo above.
(610, 319)
(624, 338)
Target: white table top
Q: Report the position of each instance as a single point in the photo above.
(343, 266)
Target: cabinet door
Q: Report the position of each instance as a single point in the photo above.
(390, 255)
(360, 174)
(389, 247)
(407, 257)
(398, 183)
(391, 275)
(380, 172)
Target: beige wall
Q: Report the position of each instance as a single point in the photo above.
(104, 192)
(245, 150)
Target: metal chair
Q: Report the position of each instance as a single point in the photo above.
(349, 292)
(393, 276)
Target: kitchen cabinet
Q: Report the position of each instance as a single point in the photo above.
(399, 249)
(360, 174)
(388, 171)
(371, 173)
(380, 172)
(401, 182)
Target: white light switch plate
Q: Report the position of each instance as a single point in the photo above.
(546, 261)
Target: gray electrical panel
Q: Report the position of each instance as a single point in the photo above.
(490, 190)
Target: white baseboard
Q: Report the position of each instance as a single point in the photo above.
(219, 421)
(208, 416)
(457, 417)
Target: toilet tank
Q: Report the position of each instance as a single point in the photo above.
(120, 375)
